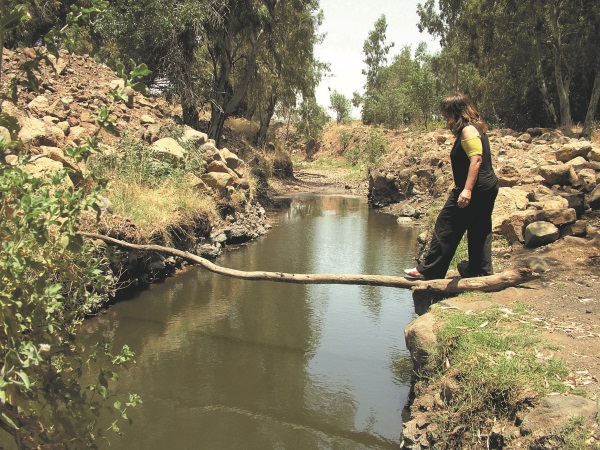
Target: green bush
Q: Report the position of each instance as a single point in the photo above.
(50, 278)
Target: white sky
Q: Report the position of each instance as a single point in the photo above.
(347, 24)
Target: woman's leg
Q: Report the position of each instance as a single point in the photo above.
(479, 234)
(448, 231)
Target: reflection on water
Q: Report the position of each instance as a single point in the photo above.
(233, 364)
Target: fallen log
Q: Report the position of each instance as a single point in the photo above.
(457, 285)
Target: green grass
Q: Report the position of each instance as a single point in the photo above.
(495, 359)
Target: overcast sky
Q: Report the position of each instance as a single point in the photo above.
(347, 24)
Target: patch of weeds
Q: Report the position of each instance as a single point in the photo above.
(493, 359)
(521, 309)
(356, 172)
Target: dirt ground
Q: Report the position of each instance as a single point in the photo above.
(564, 302)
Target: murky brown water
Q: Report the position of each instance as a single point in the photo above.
(233, 364)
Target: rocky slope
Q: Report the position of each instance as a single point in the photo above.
(65, 113)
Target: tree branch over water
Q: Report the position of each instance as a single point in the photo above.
(447, 285)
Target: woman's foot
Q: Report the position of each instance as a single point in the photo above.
(413, 274)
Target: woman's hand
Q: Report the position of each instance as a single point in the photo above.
(464, 198)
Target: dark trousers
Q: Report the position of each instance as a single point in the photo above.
(450, 226)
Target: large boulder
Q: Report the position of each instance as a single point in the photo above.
(572, 150)
(219, 181)
(421, 339)
(509, 200)
(540, 233)
(593, 199)
(556, 174)
(194, 137)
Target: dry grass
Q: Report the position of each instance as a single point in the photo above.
(243, 127)
(159, 210)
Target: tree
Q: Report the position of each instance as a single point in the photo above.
(514, 44)
(375, 50)
(287, 67)
(167, 36)
(312, 117)
(341, 105)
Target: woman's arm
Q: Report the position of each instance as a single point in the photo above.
(470, 132)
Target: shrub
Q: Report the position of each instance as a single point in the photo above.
(282, 164)
(50, 278)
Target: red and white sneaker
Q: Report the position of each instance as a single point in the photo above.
(413, 274)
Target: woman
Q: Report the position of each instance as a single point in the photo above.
(471, 202)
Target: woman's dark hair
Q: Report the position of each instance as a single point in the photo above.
(460, 111)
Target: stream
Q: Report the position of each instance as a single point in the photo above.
(223, 363)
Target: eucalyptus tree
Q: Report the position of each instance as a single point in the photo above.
(287, 68)
(550, 44)
(340, 105)
(166, 35)
(375, 49)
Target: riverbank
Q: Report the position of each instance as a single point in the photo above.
(560, 308)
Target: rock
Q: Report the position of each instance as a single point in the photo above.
(573, 150)
(551, 202)
(420, 339)
(56, 154)
(508, 176)
(540, 233)
(512, 227)
(404, 221)
(208, 251)
(508, 201)
(4, 133)
(587, 179)
(593, 199)
(407, 211)
(577, 228)
(231, 159)
(218, 166)
(147, 119)
(219, 181)
(556, 174)
(239, 234)
(36, 132)
(130, 96)
(525, 137)
(169, 149)
(11, 160)
(557, 217)
(578, 163)
(554, 413)
(211, 153)
(39, 105)
(117, 85)
(575, 200)
(594, 154)
(194, 137)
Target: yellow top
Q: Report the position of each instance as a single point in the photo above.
(472, 146)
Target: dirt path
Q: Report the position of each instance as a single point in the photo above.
(564, 303)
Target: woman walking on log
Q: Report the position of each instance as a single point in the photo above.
(470, 203)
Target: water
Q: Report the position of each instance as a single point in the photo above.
(233, 364)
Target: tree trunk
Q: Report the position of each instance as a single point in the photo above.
(591, 112)
(446, 285)
(563, 82)
(226, 101)
(550, 110)
(265, 120)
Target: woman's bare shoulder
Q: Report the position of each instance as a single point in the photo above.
(469, 132)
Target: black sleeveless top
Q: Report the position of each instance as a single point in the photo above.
(486, 178)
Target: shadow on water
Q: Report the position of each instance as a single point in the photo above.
(226, 364)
